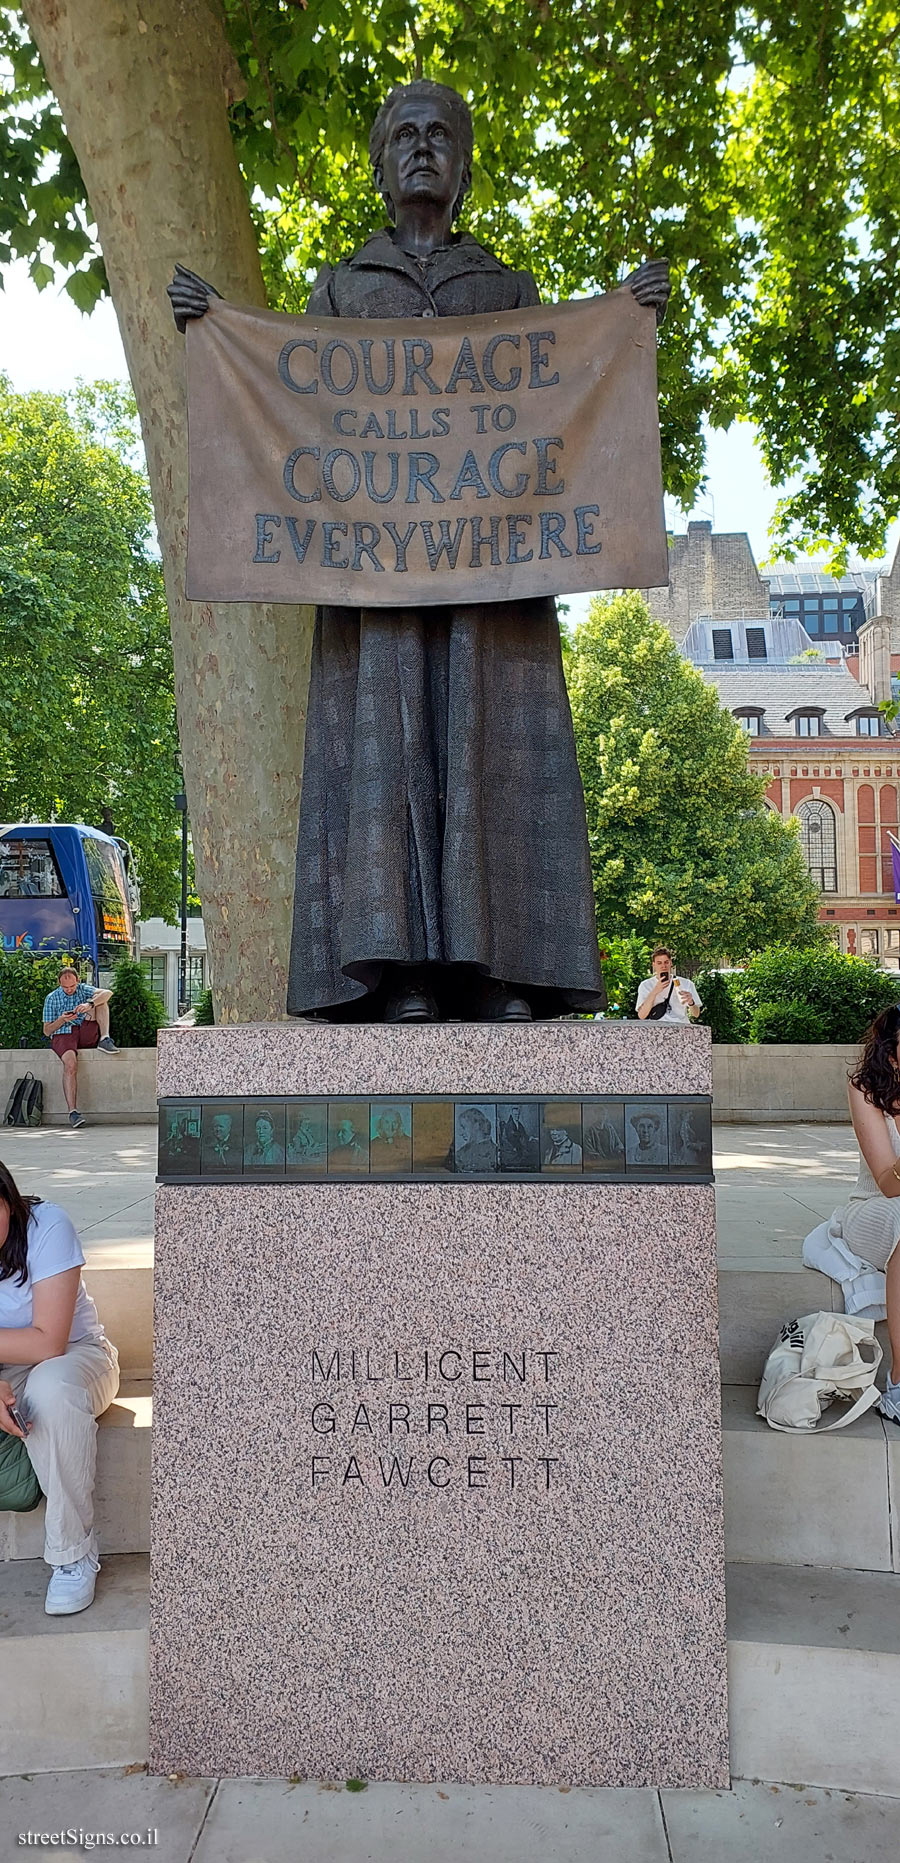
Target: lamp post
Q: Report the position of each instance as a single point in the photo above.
(181, 806)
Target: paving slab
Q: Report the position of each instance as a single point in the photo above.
(268, 1821)
(781, 1824)
(122, 1801)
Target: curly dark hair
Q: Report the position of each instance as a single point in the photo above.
(14, 1253)
(461, 118)
(877, 1075)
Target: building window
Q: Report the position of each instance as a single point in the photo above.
(808, 724)
(756, 643)
(195, 979)
(154, 969)
(868, 941)
(751, 722)
(723, 648)
(819, 843)
(868, 724)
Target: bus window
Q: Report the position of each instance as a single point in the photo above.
(112, 910)
(28, 871)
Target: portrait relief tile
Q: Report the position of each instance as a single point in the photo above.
(264, 1130)
(179, 1140)
(348, 1138)
(604, 1135)
(307, 1137)
(433, 1128)
(390, 1137)
(646, 1135)
(690, 1137)
(222, 1138)
(561, 1138)
(519, 1135)
(475, 1138)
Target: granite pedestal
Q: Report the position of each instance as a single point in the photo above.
(437, 1472)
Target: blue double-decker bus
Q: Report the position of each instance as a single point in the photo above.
(67, 888)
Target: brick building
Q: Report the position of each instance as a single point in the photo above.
(813, 725)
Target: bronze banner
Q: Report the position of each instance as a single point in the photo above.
(390, 464)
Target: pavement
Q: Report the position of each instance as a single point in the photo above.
(279, 1821)
(773, 1184)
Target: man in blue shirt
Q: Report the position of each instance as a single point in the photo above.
(76, 1016)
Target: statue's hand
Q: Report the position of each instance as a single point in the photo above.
(189, 296)
(651, 285)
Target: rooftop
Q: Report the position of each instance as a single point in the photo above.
(780, 692)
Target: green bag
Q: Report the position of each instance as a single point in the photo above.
(19, 1490)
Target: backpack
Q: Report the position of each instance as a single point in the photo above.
(25, 1106)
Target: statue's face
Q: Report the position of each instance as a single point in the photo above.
(422, 159)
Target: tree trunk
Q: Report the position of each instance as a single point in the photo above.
(143, 89)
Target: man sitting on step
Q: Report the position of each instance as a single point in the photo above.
(76, 1016)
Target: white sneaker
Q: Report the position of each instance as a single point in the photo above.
(71, 1587)
(890, 1402)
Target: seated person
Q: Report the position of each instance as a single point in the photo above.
(861, 1238)
(76, 1016)
(60, 1371)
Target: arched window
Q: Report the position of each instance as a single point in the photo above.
(819, 843)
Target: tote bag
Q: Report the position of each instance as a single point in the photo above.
(816, 1359)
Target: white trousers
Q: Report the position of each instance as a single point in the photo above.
(62, 1398)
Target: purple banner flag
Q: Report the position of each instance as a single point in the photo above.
(895, 863)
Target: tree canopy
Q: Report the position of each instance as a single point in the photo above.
(88, 716)
(752, 144)
(683, 846)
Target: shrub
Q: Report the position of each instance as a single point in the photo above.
(204, 1017)
(720, 1011)
(784, 1022)
(135, 1013)
(845, 992)
(26, 978)
(624, 962)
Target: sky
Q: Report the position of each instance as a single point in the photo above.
(45, 342)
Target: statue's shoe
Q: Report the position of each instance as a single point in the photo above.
(500, 1003)
(411, 1005)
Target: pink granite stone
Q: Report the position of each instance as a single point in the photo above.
(530, 1589)
(450, 1057)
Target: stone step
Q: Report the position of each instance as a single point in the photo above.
(806, 1499)
(124, 1297)
(122, 1488)
(74, 1689)
(814, 1675)
(753, 1306)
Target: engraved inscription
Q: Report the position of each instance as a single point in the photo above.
(428, 1439)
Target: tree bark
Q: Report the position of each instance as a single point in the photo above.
(144, 89)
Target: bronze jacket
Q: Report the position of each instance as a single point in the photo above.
(460, 280)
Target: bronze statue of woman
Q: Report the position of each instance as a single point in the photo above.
(442, 859)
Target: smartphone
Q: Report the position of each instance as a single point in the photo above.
(17, 1417)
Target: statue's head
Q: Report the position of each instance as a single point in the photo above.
(421, 146)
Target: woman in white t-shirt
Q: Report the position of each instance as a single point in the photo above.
(60, 1371)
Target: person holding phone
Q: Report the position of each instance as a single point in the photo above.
(58, 1372)
(663, 997)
